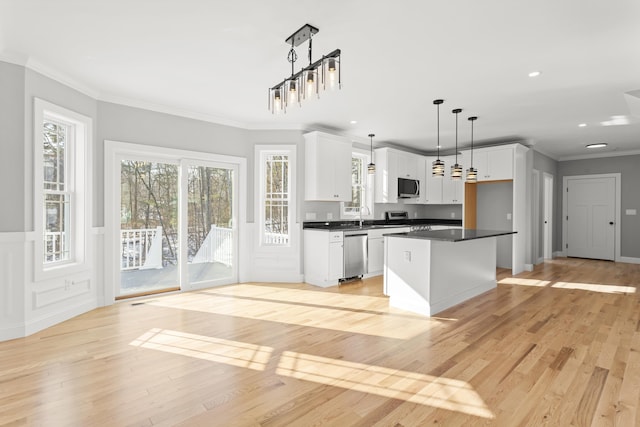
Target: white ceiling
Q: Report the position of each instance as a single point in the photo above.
(215, 60)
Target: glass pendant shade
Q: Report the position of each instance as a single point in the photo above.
(309, 81)
(456, 172)
(293, 95)
(437, 168)
(371, 167)
(331, 73)
(456, 169)
(472, 174)
(275, 100)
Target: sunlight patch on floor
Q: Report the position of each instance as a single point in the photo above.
(329, 311)
(232, 353)
(523, 282)
(596, 287)
(439, 392)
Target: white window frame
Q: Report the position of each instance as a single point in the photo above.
(261, 152)
(368, 189)
(77, 164)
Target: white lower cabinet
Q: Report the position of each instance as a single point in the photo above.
(375, 246)
(323, 257)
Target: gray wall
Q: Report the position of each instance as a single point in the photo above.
(546, 164)
(627, 166)
(494, 202)
(19, 87)
(12, 140)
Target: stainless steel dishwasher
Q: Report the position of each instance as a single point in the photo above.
(355, 253)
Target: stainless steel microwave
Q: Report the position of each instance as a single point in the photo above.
(408, 188)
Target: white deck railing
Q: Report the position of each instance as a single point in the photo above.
(216, 247)
(141, 248)
(276, 239)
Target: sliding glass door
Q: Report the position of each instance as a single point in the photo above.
(211, 237)
(177, 225)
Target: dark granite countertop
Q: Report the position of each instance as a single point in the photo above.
(376, 224)
(452, 235)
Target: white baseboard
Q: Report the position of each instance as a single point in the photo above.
(11, 332)
(540, 260)
(629, 260)
(528, 267)
(277, 276)
(559, 254)
(43, 322)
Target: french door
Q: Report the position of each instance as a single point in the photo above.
(177, 224)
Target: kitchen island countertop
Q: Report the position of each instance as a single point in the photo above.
(452, 234)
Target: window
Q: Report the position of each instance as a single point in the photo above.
(61, 144)
(276, 189)
(57, 147)
(361, 191)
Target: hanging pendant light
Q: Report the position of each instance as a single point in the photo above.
(472, 174)
(371, 167)
(456, 169)
(437, 168)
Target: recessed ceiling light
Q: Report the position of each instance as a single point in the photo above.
(534, 73)
(582, 125)
(353, 122)
(597, 145)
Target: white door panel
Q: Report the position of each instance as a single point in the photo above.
(591, 213)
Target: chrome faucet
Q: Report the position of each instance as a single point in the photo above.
(368, 212)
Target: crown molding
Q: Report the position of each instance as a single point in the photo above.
(599, 155)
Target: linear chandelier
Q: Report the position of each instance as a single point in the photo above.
(325, 73)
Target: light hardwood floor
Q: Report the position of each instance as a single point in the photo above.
(557, 346)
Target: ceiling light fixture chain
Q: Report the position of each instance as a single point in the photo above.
(371, 167)
(437, 169)
(305, 83)
(456, 169)
(472, 173)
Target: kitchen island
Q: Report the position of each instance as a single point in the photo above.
(429, 271)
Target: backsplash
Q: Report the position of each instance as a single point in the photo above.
(321, 211)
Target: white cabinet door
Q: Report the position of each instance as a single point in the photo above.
(407, 164)
(386, 177)
(452, 190)
(493, 164)
(376, 255)
(336, 260)
(327, 167)
(433, 187)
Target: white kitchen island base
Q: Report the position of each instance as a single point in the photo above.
(427, 276)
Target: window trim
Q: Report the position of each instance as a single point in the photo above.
(368, 182)
(79, 159)
(261, 151)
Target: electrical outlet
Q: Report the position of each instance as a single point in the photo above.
(407, 256)
(630, 212)
(509, 217)
(329, 215)
(453, 214)
(310, 216)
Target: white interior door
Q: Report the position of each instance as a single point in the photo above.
(591, 217)
(548, 216)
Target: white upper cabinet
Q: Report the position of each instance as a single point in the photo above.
(492, 163)
(433, 190)
(386, 177)
(327, 167)
(392, 164)
(444, 190)
(407, 164)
